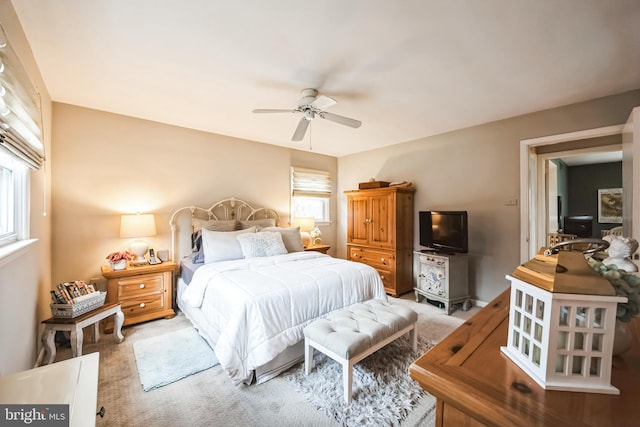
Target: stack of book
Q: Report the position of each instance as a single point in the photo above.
(72, 299)
(68, 291)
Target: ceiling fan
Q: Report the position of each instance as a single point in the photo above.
(312, 105)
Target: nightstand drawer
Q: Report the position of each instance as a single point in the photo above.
(142, 305)
(140, 285)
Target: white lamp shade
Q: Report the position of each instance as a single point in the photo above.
(137, 226)
(306, 223)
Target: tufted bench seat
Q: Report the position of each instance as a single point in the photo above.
(353, 333)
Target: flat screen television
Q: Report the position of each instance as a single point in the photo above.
(444, 231)
(580, 225)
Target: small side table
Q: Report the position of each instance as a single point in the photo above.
(74, 326)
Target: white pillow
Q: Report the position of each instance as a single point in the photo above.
(290, 237)
(222, 245)
(261, 244)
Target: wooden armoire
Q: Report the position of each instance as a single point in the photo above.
(380, 234)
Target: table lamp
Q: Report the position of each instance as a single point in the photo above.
(138, 226)
(306, 224)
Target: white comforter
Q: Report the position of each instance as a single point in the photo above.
(258, 307)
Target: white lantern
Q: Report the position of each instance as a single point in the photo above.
(562, 322)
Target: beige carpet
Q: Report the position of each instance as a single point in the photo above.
(208, 398)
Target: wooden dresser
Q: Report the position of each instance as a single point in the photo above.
(476, 385)
(380, 234)
(145, 292)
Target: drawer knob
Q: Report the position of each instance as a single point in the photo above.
(381, 259)
(142, 305)
(141, 285)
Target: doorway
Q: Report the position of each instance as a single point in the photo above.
(535, 156)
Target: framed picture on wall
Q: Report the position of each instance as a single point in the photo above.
(610, 205)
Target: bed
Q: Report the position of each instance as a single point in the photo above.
(249, 288)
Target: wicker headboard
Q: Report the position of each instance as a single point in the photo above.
(226, 209)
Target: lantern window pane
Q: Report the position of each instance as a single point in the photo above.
(517, 319)
(562, 340)
(527, 325)
(578, 341)
(529, 304)
(578, 362)
(581, 317)
(561, 362)
(518, 298)
(516, 339)
(598, 318)
(594, 369)
(540, 309)
(538, 332)
(564, 315)
(536, 355)
(596, 342)
(525, 346)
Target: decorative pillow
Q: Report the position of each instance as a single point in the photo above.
(261, 244)
(264, 222)
(222, 245)
(210, 224)
(290, 237)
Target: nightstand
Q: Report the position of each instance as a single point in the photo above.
(145, 292)
(318, 248)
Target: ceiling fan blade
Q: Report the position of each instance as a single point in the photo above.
(271, 110)
(323, 102)
(340, 119)
(301, 130)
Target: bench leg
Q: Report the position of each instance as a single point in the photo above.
(49, 345)
(96, 331)
(117, 327)
(77, 338)
(414, 338)
(308, 357)
(347, 379)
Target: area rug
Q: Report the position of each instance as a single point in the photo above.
(169, 357)
(383, 392)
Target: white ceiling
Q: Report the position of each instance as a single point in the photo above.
(406, 69)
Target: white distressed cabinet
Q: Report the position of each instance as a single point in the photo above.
(441, 278)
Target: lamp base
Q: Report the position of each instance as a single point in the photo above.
(137, 262)
(139, 248)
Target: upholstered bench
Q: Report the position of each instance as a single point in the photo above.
(353, 333)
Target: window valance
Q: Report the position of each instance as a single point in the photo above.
(310, 183)
(20, 113)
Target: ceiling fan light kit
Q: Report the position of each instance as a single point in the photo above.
(312, 105)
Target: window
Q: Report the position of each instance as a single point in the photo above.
(21, 144)
(13, 184)
(310, 194)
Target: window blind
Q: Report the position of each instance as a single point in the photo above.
(310, 183)
(20, 115)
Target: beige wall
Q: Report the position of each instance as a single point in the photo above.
(106, 164)
(25, 278)
(476, 169)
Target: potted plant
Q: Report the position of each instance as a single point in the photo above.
(118, 260)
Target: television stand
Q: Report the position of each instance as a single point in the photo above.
(443, 278)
